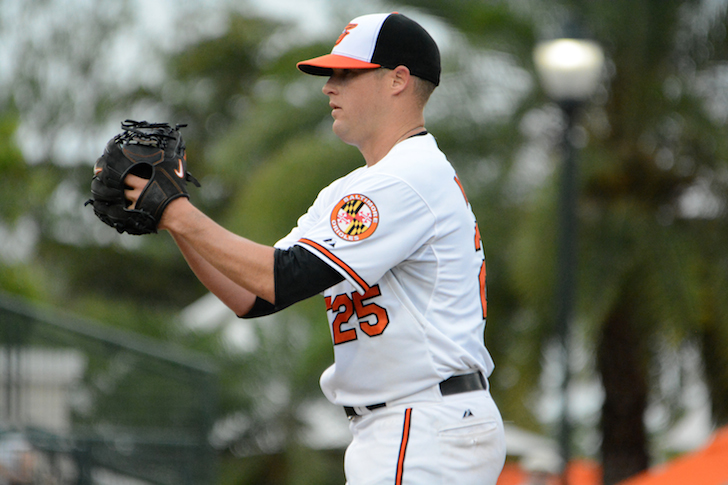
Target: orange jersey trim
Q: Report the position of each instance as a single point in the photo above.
(328, 254)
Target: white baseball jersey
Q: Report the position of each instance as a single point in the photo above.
(411, 309)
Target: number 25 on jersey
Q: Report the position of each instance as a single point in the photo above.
(372, 319)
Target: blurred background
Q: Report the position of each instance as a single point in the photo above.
(602, 211)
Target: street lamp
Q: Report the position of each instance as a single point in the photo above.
(570, 71)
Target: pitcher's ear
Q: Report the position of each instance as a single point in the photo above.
(400, 77)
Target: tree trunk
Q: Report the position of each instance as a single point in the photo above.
(622, 364)
(715, 365)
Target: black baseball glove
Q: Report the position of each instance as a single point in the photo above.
(154, 151)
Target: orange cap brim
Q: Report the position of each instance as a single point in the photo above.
(323, 65)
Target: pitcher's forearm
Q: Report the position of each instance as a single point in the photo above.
(234, 296)
(242, 261)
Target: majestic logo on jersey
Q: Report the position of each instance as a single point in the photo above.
(354, 218)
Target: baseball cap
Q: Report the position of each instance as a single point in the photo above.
(380, 40)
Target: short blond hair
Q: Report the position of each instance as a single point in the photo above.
(423, 90)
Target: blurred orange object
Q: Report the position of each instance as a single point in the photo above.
(579, 472)
(512, 474)
(584, 472)
(707, 466)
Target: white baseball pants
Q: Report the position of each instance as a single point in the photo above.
(453, 440)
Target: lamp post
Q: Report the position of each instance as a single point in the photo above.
(570, 71)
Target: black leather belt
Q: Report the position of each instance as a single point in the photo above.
(454, 385)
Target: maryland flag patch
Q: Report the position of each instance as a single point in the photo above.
(354, 218)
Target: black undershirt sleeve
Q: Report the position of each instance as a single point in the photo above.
(299, 274)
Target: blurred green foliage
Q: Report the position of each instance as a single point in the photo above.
(652, 207)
